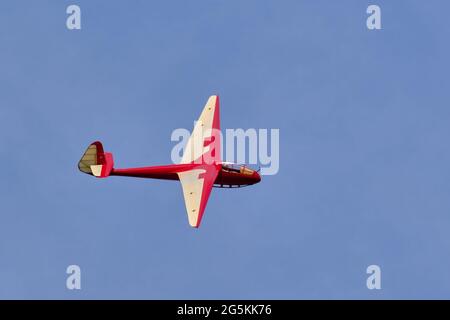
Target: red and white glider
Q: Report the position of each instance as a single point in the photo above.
(200, 169)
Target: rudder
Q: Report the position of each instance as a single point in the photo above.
(95, 161)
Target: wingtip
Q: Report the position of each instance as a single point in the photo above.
(195, 226)
(214, 96)
(195, 223)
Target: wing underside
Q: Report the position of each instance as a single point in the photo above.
(197, 184)
(203, 152)
(204, 143)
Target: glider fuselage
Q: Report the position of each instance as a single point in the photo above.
(230, 175)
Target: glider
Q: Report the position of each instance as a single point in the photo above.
(200, 169)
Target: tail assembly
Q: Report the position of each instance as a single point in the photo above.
(96, 162)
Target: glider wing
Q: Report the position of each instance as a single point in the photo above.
(204, 143)
(197, 184)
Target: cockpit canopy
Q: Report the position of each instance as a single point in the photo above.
(238, 168)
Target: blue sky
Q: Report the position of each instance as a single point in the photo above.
(364, 156)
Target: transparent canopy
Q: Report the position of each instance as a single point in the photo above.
(238, 168)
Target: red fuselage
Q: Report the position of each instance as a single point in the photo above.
(229, 175)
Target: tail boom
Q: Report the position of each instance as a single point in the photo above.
(167, 172)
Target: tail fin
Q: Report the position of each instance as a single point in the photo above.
(95, 161)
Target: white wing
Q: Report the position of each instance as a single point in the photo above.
(204, 142)
(197, 184)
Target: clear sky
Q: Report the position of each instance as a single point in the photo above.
(364, 154)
